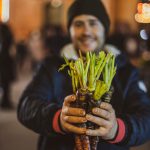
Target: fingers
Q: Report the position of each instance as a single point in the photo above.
(102, 113)
(107, 107)
(105, 111)
(71, 128)
(105, 133)
(97, 120)
(69, 99)
(98, 132)
(71, 115)
(106, 119)
(72, 119)
(69, 111)
(73, 111)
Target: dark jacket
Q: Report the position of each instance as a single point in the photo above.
(45, 95)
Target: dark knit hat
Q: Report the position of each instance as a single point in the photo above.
(90, 7)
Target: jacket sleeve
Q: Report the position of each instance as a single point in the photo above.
(136, 113)
(37, 106)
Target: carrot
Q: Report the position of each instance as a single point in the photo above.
(78, 142)
(85, 142)
(91, 75)
(82, 97)
(107, 97)
(94, 142)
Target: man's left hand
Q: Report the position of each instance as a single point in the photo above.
(104, 116)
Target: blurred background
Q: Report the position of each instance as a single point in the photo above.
(32, 29)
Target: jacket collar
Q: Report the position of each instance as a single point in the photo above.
(70, 53)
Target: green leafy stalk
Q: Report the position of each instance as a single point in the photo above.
(100, 60)
(103, 65)
(109, 71)
(100, 90)
(91, 78)
(86, 71)
(79, 74)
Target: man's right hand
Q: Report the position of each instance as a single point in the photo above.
(70, 116)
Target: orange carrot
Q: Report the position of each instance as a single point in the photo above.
(94, 141)
(78, 142)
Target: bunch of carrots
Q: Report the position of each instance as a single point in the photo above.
(91, 77)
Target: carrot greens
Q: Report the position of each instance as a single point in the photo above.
(93, 73)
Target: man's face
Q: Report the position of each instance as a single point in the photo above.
(87, 33)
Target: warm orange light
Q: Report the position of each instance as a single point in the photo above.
(0, 10)
(143, 14)
(139, 8)
(4, 10)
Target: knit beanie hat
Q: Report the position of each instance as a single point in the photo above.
(89, 7)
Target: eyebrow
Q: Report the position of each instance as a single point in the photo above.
(93, 19)
(80, 20)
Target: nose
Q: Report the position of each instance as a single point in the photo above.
(87, 29)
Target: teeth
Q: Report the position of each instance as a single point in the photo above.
(87, 40)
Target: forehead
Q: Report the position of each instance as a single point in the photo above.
(85, 18)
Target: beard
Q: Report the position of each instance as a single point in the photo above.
(84, 38)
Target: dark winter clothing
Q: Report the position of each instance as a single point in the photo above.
(45, 95)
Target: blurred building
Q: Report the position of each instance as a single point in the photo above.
(26, 16)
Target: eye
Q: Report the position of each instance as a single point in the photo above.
(93, 23)
(78, 24)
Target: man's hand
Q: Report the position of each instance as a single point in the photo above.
(105, 118)
(70, 116)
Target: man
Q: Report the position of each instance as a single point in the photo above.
(45, 104)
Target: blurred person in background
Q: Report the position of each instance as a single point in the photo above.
(7, 70)
(45, 104)
(37, 48)
(144, 34)
(24, 66)
(54, 38)
(118, 37)
(145, 76)
(133, 49)
(145, 69)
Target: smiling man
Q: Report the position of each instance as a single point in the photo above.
(87, 33)
(45, 104)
